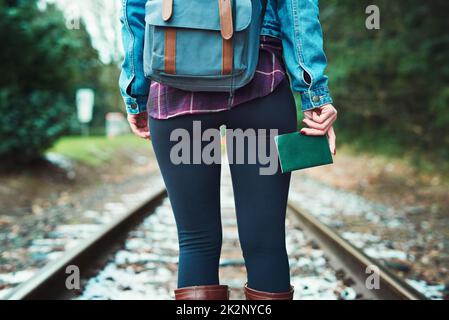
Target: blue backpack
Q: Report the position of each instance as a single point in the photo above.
(202, 45)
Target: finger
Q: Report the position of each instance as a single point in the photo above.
(332, 140)
(140, 132)
(308, 114)
(323, 110)
(320, 126)
(144, 135)
(315, 115)
(312, 132)
(135, 130)
(325, 114)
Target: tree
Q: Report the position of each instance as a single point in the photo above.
(42, 64)
(391, 85)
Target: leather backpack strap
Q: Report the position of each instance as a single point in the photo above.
(170, 51)
(226, 24)
(227, 55)
(227, 31)
(170, 38)
(167, 9)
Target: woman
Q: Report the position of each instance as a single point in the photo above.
(291, 44)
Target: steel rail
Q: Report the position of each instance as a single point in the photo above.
(346, 257)
(50, 282)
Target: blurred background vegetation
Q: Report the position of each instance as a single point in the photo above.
(43, 63)
(391, 85)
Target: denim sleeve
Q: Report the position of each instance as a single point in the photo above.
(302, 40)
(134, 87)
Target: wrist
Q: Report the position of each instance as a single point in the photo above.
(315, 98)
(136, 105)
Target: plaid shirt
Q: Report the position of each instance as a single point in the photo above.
(166, 102)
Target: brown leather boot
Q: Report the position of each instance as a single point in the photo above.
(252, 294)
(208, 292)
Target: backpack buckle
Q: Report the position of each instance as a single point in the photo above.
(226, 24)
(167, 9)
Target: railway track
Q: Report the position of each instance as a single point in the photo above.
(93, 254)
(50, 282)
(354, 263)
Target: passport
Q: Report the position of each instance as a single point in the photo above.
(297, 151)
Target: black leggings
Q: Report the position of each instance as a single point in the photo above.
(260, 200)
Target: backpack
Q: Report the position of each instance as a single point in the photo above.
(202, 45)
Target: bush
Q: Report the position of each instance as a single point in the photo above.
(42, 63)
(30, 124)
(390, 85)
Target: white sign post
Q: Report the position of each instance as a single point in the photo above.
(85, 105)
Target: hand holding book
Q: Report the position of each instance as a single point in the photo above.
(319, 122)
(310, 147)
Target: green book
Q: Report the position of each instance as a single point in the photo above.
(297, 151)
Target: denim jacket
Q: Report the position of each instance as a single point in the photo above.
(295, 22)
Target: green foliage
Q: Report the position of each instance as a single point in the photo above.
(42, 64)
(107, 98)
(31, 124)
(391, 85)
